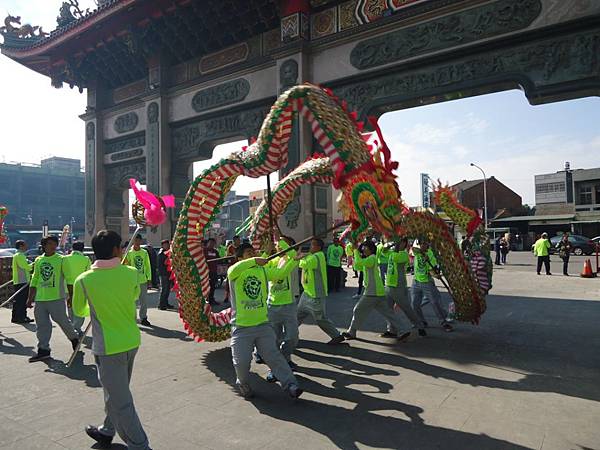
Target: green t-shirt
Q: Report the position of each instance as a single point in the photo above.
(48, 278)
(280, 291)
(75, 264)
(382, 254)
(424, 265)
(141, 261)
(396, 269)
(334, 255)
(113, 312)
(349, 249)
(21, 269)
(248, 287)
(541, 247)
(369, 267)
(314, 275)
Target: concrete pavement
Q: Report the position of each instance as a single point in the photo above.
(526, 377)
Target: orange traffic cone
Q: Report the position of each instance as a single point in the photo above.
(587, 270)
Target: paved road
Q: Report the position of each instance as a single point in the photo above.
(527, 377)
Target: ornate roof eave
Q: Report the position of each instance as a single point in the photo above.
(64, 34)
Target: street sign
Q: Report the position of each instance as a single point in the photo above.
(425, 199)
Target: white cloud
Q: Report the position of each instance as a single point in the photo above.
(444, 133)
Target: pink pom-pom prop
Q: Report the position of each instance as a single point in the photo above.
(155, 207)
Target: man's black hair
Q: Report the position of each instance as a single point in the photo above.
(139, 237)
(290, 240)
(78, 246)
(48, 238)
(371, 246)
(20, 243)
(165, 241)
(242, 248)
(104, 244)
(211, 239)
(319, 242)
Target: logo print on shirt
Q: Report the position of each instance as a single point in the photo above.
(139, 263)
(252, 287)
(46, 271)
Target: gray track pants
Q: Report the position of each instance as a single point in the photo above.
(429, 291)
(143, 299)
(399, 296)
(284, 320)
(57, 311)
(76, 320)
(243, 341)
(363, 308)
(315, 307)
(114, 373)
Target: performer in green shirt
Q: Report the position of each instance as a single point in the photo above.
(250, 327)
(314, 282)
(374, 297)
(75, 264)
(47, 290)
(424, 287)
(21, 274)
(138, 257)
(396, 287)
(335, 252)
(115, 337)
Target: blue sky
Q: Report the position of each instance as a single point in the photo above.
(500, 132)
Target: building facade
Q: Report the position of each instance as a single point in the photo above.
(500, 198)
(52, 191)
(574, 192)
(168, 80)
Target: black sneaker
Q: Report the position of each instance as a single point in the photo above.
(294, 391)
(74, 343)
(425, 324)
(145, 322)
(171, 307)
(102, 439)
(270, 377)
(293, 365)
(245, 391)
(41, 355)
(447, 327)
(348, 336)
(337, 340)
(422, 332)
(28, 320)
(404, 336)
(388, 334)
(258, 359)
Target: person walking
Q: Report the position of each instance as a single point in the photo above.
(250, 327)
(314, 282)
(504, 249)
(21, 275)
(423, 286)
(497, 250)
(75, 264)
(564, 252)
(138, 258)
(335, 252)
(165, 276)
(115, 338)
(47, 290)
(349, 250)
(396, 288)
(374, 297)
(541, 249)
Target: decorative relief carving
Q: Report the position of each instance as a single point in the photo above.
(153, 112)
(288, 74)
(90, 131)
(187, 140)
(117, 177)
(293, 210)
(126, 122)
(346, 15)
(221, 95)
(543, 63)
(224, 58)
(271, 40)
(324, 23)
(128, 154)
(125, 143)
(459, 28)
(295, 26)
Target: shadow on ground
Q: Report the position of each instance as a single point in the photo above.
(371, 422)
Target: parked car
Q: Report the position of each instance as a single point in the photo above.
(35, 252)
(580, 245)
(596, 240)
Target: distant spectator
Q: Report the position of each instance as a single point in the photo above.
(541, 250)
(564, 252)
(504, 249)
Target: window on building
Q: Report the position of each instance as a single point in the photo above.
(585, 195)
(597, 201)
(547, 188)
(321, 198)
